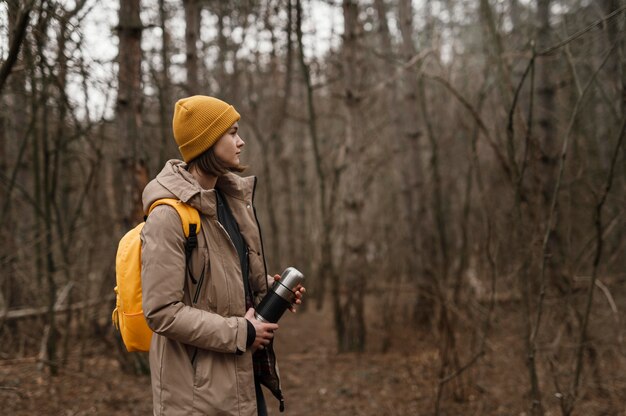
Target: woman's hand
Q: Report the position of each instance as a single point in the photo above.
(299, 293)
(264, 331)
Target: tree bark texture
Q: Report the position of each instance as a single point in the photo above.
(349, 292)
(17, 38)
(164, 84)
(546, 111)
(129, 108)
(192, 34)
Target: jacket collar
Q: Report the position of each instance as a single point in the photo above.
(178, 182)
(236, 186)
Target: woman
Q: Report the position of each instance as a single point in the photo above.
(200, 305)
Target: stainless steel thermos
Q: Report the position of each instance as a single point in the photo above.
(280, 296)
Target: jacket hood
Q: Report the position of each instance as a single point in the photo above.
(175, 181)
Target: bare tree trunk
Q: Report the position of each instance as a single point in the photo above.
(437, 197)
(224, 89)
(165, 93)
(414, 192)
(14, 142)
(493, 43)
(133, 174)
(16, 37)
(545, 102)
(396, 178)
(192, 33)
(547, 152)
(327, 268)
(349, 293)
(44, 172)
(129, 111)
(385, 38)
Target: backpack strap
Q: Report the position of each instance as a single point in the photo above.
(189, 216)
(190, 219)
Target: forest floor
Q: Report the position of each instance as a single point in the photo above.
(316, 379)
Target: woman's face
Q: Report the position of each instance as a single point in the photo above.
(228, 147)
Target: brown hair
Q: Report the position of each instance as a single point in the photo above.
(209, 164)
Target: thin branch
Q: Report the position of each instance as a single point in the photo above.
(582, 31)
(609, 297)
(510, 130)
(529, 128)
(462, 369)
(479, 120)
(20, 34)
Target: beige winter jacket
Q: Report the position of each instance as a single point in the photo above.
(199, 327)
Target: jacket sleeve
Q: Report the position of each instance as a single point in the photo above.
(163, 281)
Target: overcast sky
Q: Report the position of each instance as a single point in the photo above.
(100, 42)
(322, 26)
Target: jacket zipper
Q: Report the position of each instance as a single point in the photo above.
(200, 280)
(193, 356)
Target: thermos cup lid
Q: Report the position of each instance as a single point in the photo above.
(291, 278)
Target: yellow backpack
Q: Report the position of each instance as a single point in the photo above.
(128, 315)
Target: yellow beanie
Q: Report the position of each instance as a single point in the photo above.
(199, 121)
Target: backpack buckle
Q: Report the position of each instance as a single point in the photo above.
(192, 240)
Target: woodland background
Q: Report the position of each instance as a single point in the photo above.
(449, 174)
